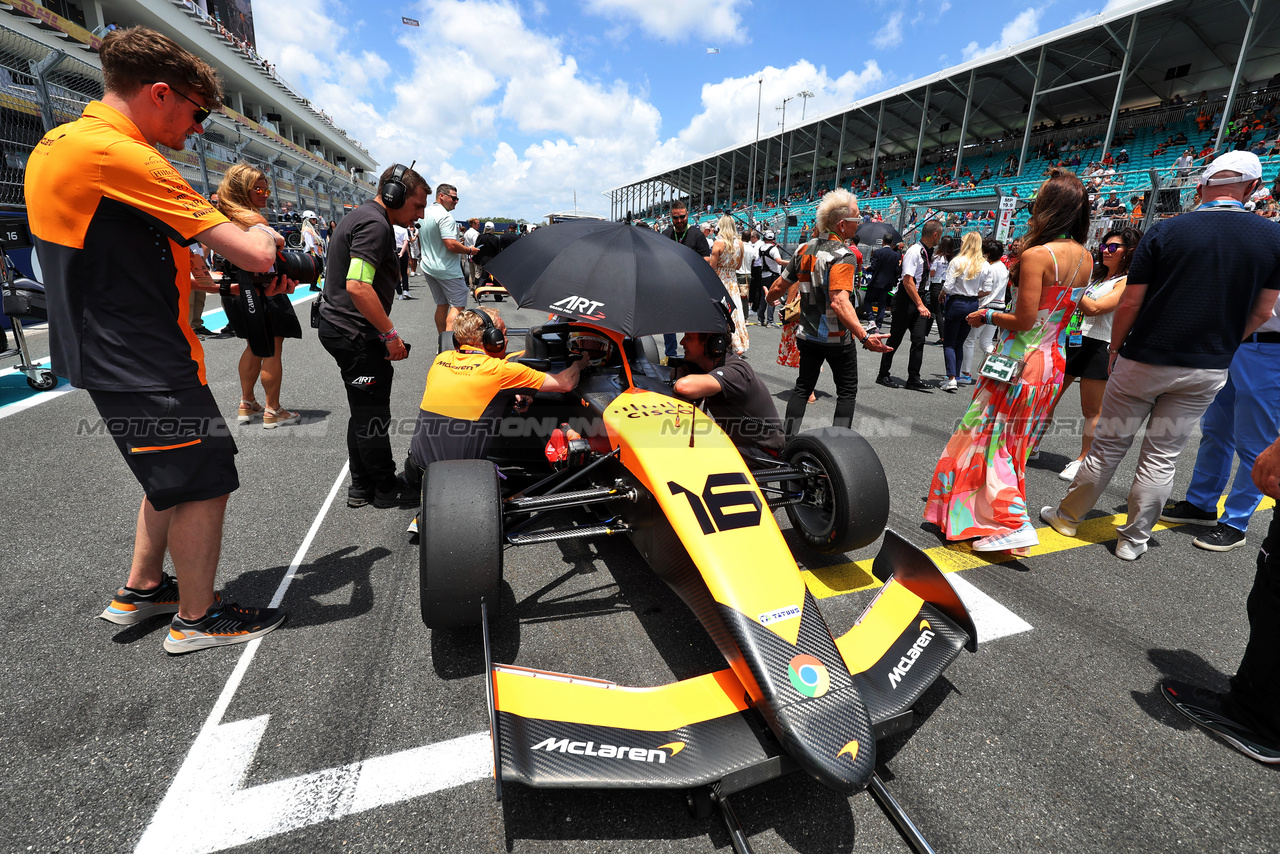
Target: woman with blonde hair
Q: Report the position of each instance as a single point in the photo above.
(968, 280)
(242, 195)
(725, 259)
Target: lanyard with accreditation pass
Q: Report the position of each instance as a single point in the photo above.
(1222, 205)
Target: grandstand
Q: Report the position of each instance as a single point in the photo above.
(1120, 89)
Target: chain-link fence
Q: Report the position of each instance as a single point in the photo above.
(41, 88)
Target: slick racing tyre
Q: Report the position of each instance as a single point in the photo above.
(459, 543)
(845, 503)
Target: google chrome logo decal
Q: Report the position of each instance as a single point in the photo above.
(809, 676)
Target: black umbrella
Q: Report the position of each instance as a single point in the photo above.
(631, 280)
(874, 233)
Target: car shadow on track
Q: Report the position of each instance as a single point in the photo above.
(1180, 664)
(807, 816)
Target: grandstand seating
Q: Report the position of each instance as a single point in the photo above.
(1132, 179)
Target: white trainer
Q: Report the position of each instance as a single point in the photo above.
(1049, 515)
(1126, 550)
(1022, 538)
(1068, 472)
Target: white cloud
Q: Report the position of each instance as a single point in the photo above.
(890, 34)
(483, 99)
(1021, 28)
(729, 107)
(678, 19)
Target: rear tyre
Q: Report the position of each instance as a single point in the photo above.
(846, 495)
(460, 543)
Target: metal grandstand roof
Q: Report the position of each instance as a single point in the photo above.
(1133, 58)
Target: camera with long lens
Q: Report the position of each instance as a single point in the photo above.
(303, 267)
(250, 311)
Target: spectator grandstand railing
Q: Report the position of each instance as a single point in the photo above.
(41, 88)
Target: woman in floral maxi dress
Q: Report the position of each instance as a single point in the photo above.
(726, 258)
(978, 487)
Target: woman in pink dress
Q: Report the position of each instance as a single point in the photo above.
(978, 487)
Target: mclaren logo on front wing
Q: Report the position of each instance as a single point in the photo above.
(913, 655)
(610, 751)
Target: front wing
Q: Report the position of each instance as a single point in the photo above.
(560, 731)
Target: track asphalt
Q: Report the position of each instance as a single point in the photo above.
(353, 728)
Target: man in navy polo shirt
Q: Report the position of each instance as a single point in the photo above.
(1199, 284)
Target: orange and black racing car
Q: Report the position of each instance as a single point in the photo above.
(624, 456)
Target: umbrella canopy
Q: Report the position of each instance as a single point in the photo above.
(873, 234)
(631, 280)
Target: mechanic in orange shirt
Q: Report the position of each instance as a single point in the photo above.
(112, 221)
(469, 390)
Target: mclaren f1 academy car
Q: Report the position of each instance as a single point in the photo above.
(621, 455)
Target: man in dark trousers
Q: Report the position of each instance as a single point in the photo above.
(695, 240)
(910, 310)
(884, 268)
(1247, 716)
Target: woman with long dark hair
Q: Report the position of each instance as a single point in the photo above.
(978, 487)
(1089, 334)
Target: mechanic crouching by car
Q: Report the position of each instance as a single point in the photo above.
(469, 390)
(731, 392)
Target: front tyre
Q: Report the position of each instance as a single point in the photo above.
(845, 501)
(459, 543)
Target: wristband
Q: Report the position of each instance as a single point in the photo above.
(989, 317)
(389, 335)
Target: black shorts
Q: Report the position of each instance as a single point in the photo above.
(176, 443)
(1089, 360)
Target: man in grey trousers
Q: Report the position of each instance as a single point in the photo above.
(1198, 285)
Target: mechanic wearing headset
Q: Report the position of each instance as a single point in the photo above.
(729, 391)
(469, 389)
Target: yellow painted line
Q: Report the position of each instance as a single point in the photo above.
(827, 581)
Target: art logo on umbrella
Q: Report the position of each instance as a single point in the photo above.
(588, 309)
(809, 676)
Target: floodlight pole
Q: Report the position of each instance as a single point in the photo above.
(782, 141)
(755, 149)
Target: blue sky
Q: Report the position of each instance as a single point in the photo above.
(520, 103)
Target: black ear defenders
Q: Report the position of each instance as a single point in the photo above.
(394, 192)
(492, 337)
(717, 343)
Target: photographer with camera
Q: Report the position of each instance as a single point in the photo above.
(111, 217)
(362, 274)
(242, 196)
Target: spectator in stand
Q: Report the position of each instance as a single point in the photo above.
(1122, 157)
(680, 231)
(1178, 280)
(978, 487)
(991, 250)
(883, 272)
(1090, 333)
(968, 280)
(1240, 422)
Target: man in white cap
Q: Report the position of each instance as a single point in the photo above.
(1199, 284)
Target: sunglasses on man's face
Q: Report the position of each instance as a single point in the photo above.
(680, 217)
(200, 114)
